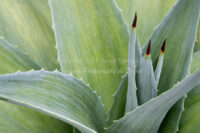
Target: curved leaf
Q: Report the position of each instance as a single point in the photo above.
(148, 117)
(131, 97)
(15, 118)
(190, 119)
(179, 27)
(18, 119)
(92, 42)
(58, 95)
(27, 25)
(150, 13)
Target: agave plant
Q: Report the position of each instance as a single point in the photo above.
(62, 78)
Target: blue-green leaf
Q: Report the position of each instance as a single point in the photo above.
(58, 95)
(131, 98)
(179, 27)
(148, 117)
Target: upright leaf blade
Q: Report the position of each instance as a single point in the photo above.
(150, 13)
(179, 27)
(117, 109)
(138, 52)
(148, 117)
(160, 63)
(131, 98)
(58, 95)
(27, 25)
(92, 41)
(146, 82)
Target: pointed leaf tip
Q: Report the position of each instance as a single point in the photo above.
(148, 49)
(163, 46)
(134, 21)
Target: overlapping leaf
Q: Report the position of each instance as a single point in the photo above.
(12, 59)
(27, 25)
(150, 13)
(148, 117)
(18, 119)
(15, 118)
(92, 41)
(190, 119)
(117, 109)
(146, 81)
(58, 95)
(179, 50)
(131, 97)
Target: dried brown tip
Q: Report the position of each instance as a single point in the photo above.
(134, 21)
(163, 47)
(148, 49)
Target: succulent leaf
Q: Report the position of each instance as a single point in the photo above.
(95, 51)
(117, 109)
(13, 59)
(147, 118)
(138, 52)
(178, 51)
(131, 98)
(190, 120)
(27, 25)
(58, 95)
(18, 119)
(146, 82)
(160, 63)
(12, 116)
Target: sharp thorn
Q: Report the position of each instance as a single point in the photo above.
(134, 21)
(163, 46)
(148, 49)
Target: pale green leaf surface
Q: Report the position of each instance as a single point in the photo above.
(147, 118)
(27, 25)
(117, 109)
(12, 59)
(179, 27)
(195, 65)
(19, 119)
(58, 95)
(190, 119)
(146, 82)
(197, 42)
(150, 13)
(131, 98)
(92, 42)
